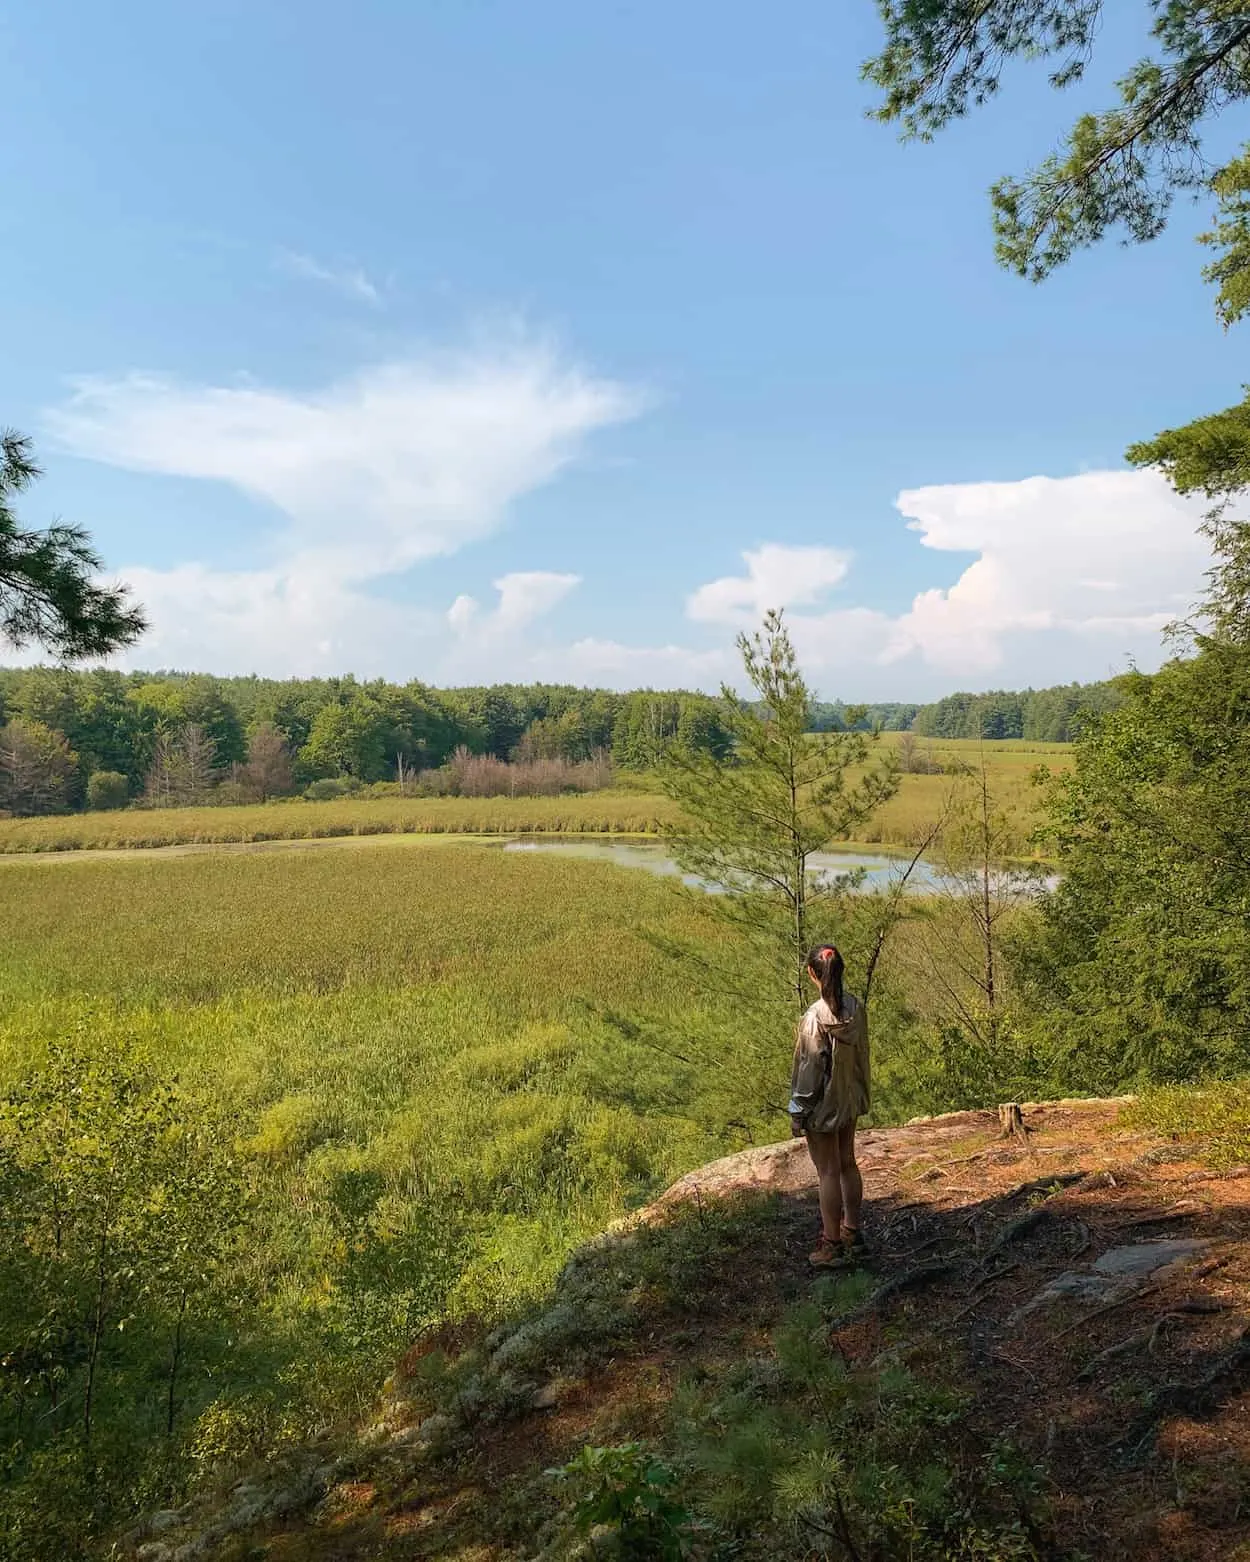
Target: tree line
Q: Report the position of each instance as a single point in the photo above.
(100, 739)
(1054, 715)
(103, 739)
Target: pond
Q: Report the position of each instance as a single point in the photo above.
(880, 869)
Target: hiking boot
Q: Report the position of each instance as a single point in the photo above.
(826, 1255)
(853, 1245)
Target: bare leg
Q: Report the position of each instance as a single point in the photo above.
(824, 1151)
(850, 1183)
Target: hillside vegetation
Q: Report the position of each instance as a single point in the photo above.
(390, 1096)
(1045, 1358)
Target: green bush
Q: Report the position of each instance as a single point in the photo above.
(107, 789)
(330, 788)
(632, 1496)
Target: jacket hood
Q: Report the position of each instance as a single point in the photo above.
(836, 1024)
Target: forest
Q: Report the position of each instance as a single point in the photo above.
(100, 739)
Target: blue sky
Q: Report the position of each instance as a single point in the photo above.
(479, 339)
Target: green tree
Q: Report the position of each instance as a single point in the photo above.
(1120, 168)
(754, 819)
(107, 789)
(173, 704)
(48, 588)
(1141, 966)
(92, 710)
(351, 739)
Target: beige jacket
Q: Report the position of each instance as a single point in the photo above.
(829, 1087)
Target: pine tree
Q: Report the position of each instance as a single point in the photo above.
(48, 590)
(754, 818)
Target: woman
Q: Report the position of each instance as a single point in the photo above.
(828, 1093)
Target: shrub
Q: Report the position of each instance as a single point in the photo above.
(107, 789)
(632, 1495)
(329, 788)
(1216, 1117)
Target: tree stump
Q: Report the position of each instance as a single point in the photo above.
(1011, 1121)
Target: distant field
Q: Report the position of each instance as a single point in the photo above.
(902, 822)
(295, 819)
(1012, 765)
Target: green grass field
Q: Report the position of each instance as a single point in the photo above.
(902, 822)
(424, 1023)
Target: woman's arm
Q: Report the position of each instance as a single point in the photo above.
(808, 1077)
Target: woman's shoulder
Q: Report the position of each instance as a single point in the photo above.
(815, 1015)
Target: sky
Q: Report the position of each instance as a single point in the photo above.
(480, 340)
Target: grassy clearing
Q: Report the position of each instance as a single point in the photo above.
(902, 822)
(422, 1025)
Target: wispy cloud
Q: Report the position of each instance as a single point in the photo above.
(352, 281)
(400, 463)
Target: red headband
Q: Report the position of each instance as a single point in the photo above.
(828, 954)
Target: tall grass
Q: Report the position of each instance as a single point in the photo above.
(296, 819)
(410, 1055)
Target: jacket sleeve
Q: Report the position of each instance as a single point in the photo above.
(808, 1077)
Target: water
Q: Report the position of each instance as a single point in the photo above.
(880, 869)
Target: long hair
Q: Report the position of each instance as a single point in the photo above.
(826, 965)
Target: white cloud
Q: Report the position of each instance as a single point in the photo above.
(1073, 577)
(400, 463)
(372, 475)
(1070, 577)
(616, 666)
(352, 281)
(777, 576)
(1108, 557)
(523, 597)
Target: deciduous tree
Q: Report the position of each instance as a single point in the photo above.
(268, 772)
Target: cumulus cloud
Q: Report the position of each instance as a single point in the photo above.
(1074, 576)
(352, 281)
(523, 597)
(367, 477)
(1105, 556)
(1069, 577)
(777, 576)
